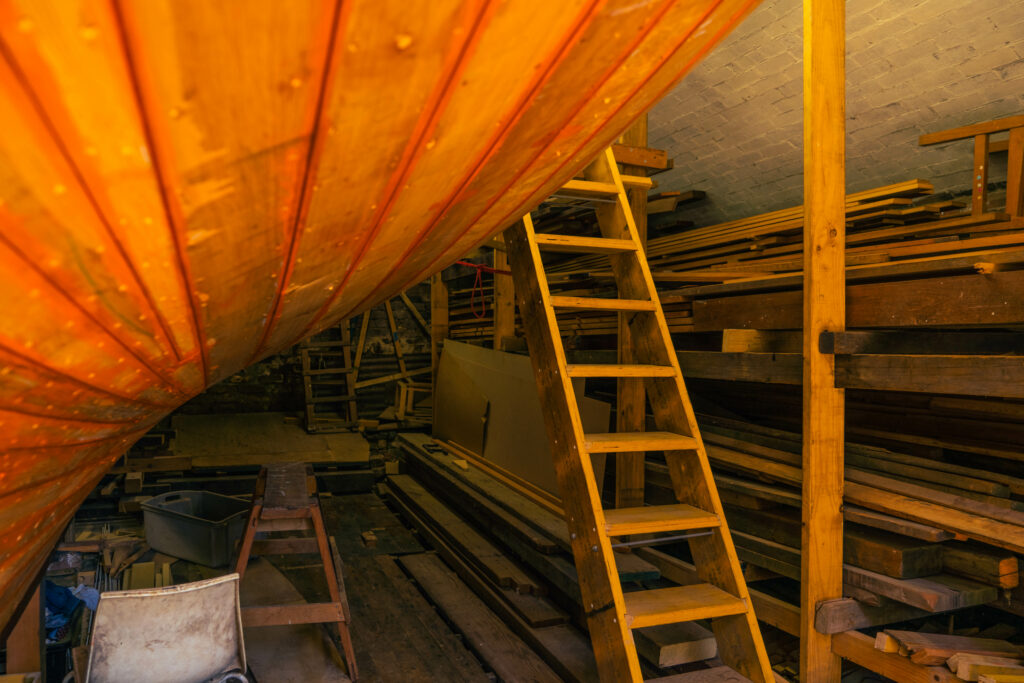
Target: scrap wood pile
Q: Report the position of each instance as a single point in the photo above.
(922, 536)
(890, 223)
(895, 232)
(511, 545)
(970, 658)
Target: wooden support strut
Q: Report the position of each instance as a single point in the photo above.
(824, 310)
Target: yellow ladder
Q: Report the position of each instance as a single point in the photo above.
(612, 614)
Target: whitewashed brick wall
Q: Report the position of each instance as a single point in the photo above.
(734, 125)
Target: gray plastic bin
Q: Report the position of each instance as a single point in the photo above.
(197, 526)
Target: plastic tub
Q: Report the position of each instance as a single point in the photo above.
(197, 526)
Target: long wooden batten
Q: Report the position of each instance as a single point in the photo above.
(187, 187)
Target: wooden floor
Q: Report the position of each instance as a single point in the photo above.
(247, 439)
(398, 635)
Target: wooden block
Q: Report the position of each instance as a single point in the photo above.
(675, 644)
(982, 563)
(130, 504)
(133, 482)
(886, 643)
(142, 576)
(369, 539)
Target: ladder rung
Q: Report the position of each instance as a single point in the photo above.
(678, 604)
(324, 344)
(583, 245)
(588, 189)
(596, 304)
(618, 442)
(632, 370)
(330, 371)
(651, 519)
(331, 399)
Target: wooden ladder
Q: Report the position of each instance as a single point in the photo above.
(612, 614)
(327, 380)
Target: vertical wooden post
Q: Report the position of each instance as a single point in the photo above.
(504, 301)
(979, 188)
(631, 401)
(26, 645)
(824, 310)
(438, 321)
(1015, 173)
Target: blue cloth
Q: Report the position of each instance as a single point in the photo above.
(60, 605)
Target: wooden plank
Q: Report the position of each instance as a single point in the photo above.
(860, 649)
(863, 547)
(503, 651)
(923, 342)
(564, 648)
(633, 153)
(925, 302)
(964, 375)
(824, 309)
(996, 126)
(877, 520)
(939, 593)
(277, 615)
(936, 648)
(847, 614)
(471, 545)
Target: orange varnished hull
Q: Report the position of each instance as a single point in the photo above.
(188, 186)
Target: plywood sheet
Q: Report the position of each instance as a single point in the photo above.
(514, 437)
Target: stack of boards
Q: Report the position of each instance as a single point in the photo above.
(987, 660)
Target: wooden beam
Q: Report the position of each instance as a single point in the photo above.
(965, 375)
(631, 399)
(824, 309)
(504, 301)
(438, 320)
(989, 300)
(979, 183)
(932, 342)
(1015, 173)
(997, 126)
(637, 154)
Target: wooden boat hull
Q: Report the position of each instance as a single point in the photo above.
(189, 186)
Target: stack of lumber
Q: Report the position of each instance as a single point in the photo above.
(970, 658)
(921, 536)
(514, 552)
